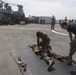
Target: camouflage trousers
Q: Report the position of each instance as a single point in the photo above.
(46, 55)
(52, 25)
(73, 47)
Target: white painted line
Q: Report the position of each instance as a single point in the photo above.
(59, 33)
(35, 29)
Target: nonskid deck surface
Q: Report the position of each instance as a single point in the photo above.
(36, 66)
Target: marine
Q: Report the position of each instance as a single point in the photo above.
(46, 48)
(71, 29)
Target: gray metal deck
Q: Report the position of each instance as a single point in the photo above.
(36, 66)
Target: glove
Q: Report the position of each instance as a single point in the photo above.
(70, 44)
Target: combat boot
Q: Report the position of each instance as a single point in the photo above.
(51, 63)
(70, 63)
(70, 59)
(66, 58)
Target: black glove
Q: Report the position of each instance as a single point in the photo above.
(70, 44)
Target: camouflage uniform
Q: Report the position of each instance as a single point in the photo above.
(52, 22)
(72, 29)
(45, 51)
(73, 47)
(45, 40)
(46, 57)
(72, 51)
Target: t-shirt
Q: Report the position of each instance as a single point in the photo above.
(72, 28)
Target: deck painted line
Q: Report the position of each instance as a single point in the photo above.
(59, 33)
(35, 29)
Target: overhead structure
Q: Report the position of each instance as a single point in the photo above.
(7, 13)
